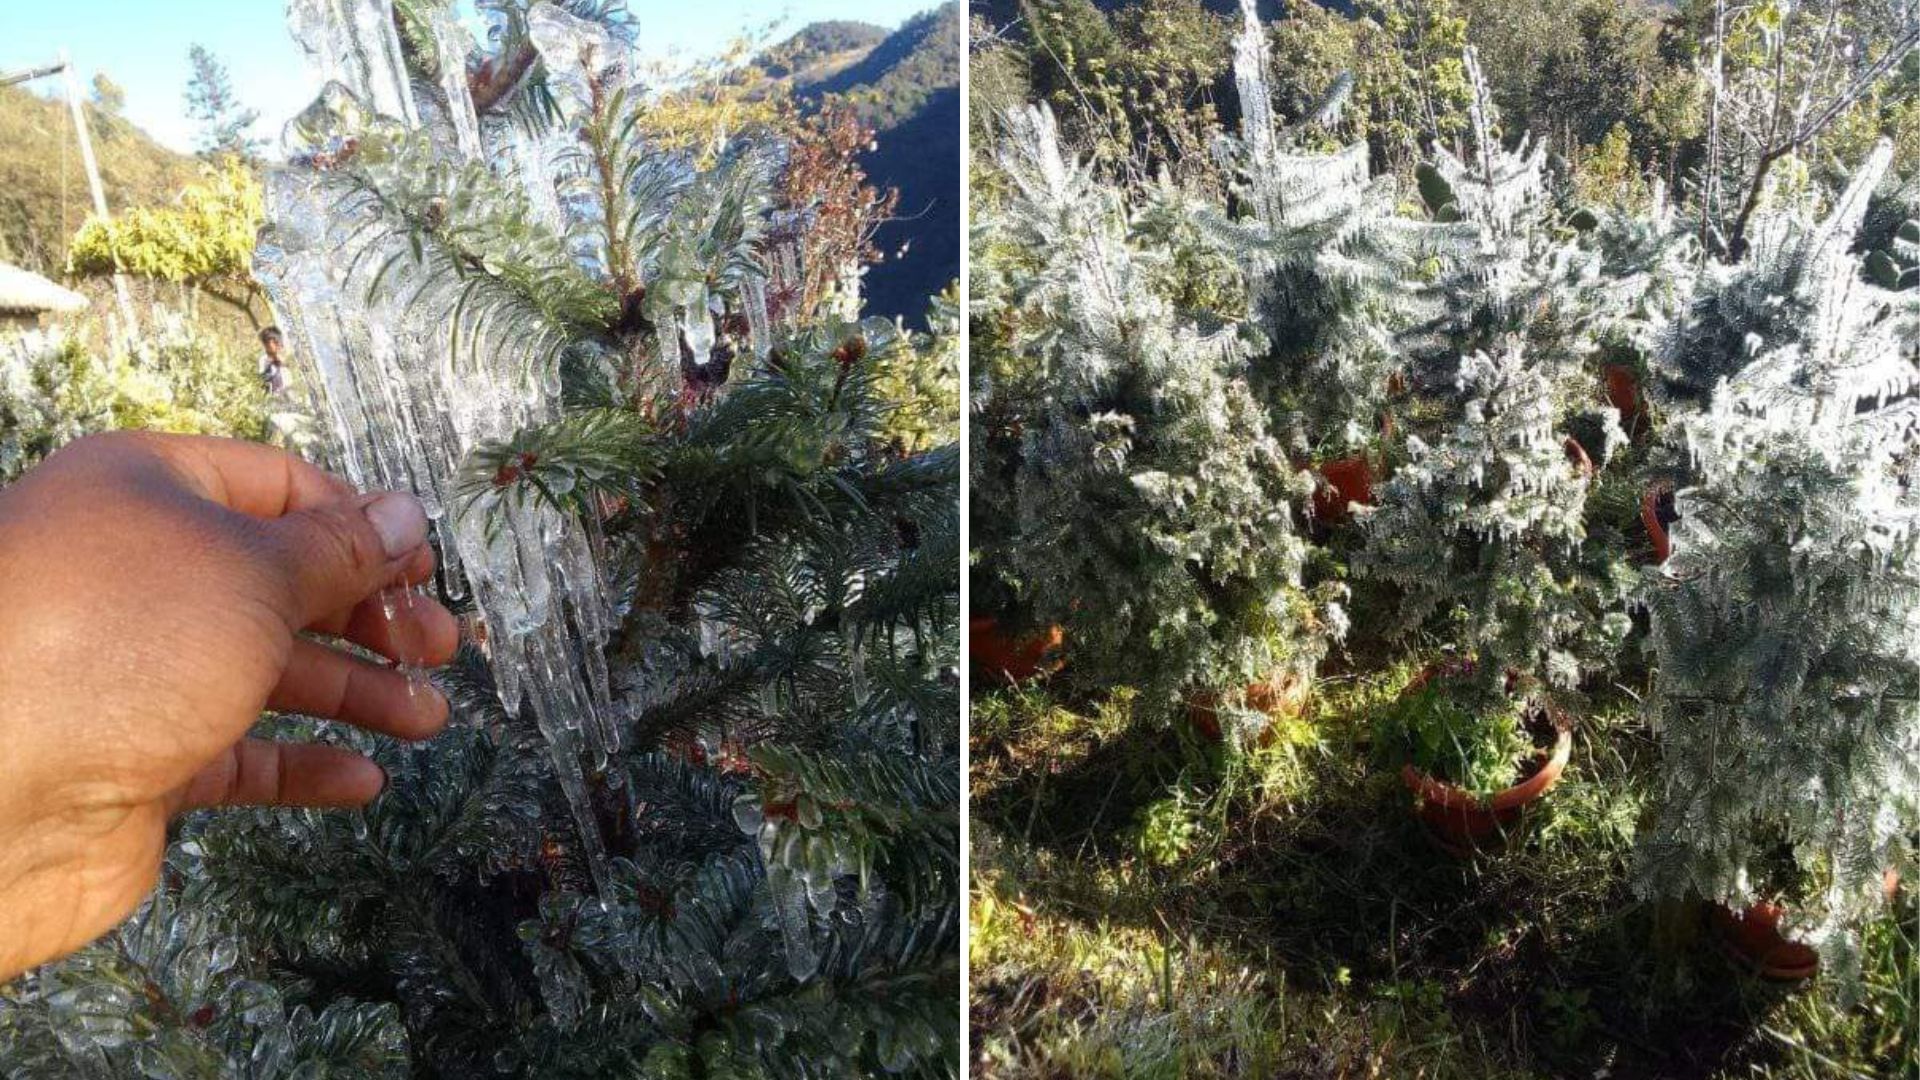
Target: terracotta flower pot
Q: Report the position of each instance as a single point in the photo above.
(1462, 822)
(1753, 939)
(1656, 529)
(1348, 480)
(1623, 393)
(1013, 658)
(1281, 696)
(1577, 455)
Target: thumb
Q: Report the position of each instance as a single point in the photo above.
(338, 554)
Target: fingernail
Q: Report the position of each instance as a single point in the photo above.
(400, 521)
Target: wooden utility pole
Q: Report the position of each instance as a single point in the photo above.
(64, 67)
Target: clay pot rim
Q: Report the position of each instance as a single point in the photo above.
(1453, 797)
(1661, 536)
(1767, 915)
(1049, 657)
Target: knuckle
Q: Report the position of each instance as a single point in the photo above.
(348, 541)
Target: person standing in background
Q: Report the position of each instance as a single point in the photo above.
(273, 372)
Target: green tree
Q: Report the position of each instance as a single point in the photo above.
(205, 240)
(108, 95)
(211, 102)
(700, 813)
(109, 100)
(1403, 57)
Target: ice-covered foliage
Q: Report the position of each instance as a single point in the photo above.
(1786, 626)
(1148, 506)
(1527, 260)
(698, 811)
(171, 994)
(1336, 272)
(55, 388)
(1484, 531)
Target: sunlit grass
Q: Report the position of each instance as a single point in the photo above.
(1146, 904)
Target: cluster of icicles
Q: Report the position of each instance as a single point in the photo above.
(407, 382)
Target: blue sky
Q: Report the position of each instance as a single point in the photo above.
(142, 44)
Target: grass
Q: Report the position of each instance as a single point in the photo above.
(1145, 905)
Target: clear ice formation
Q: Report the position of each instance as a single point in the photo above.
(452, 46)
(354, 43)
(407, 381)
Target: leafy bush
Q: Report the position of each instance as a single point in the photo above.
(53, 390)
(1450, 727)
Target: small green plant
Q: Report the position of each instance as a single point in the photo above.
(1169, 829)
(1453, 728)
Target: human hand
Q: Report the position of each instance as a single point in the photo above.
(153, 594)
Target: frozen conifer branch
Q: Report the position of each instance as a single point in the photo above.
(1784, 625)
(414, 379)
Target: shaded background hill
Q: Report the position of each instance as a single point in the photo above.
(905, 84)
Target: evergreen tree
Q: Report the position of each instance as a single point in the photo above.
(1487, 529)
(1783, 625)
(698, 810)
(1127, 484)
(1336, 273)
(211, 103)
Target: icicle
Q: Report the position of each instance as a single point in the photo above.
(531, 164)
(667, 345)
(354, 42)
(698, 329)
(790, 903)
(408, 389)
(579, 56)
(452, 45)
(753, 295)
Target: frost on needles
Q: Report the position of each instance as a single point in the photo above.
(1152, 510)
(1786, 627)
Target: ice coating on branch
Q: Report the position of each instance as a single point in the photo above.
(452, 45)
(790, 900)
(530, 160)
(581, 58)
(1258, 129)
(753, 295)
(409, 382)
(354, 43)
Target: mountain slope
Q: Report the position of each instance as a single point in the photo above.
(906, 86)
(43, 187)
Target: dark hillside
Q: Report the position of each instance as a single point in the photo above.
(906, 86)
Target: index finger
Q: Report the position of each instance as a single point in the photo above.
(251, 478)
